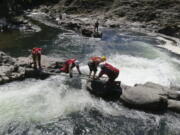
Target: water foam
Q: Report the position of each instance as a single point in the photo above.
(44, 100)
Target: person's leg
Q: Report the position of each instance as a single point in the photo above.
(90, 69)
(94, 69)
(65, 68)
(112, 78)
(39, 60)
(34, 60)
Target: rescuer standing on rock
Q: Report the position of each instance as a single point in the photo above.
(96, 26)
(36, 56)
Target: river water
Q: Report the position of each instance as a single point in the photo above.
(62, 106)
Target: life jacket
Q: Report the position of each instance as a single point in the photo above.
(36, 50)
(109, 70)
(95, 60)
(68, 62)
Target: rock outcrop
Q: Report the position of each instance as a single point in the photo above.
(99, 88)
(12, 69)
(148, 96)
(144, 97)
(151, 97)
(154, 15)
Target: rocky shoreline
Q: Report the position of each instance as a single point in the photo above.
(14, 69)
(148, 97)
(154, 16)
(80, 16)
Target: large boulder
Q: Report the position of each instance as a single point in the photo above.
(173, 95)
(12, 69)
(144, 97)
(86, 32)
(35, 73)
(104, 90)
(174, 105)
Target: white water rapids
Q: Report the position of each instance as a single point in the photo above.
(38, 102)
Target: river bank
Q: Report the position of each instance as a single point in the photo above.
(83, 24)
(155, 16)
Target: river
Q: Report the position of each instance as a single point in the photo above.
(59, 105)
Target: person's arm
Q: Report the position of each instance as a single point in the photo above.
(78, 70)
(94, 74)
(90, 74)
(70, 71)
(100, 74)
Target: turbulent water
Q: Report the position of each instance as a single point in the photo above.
(62, 106)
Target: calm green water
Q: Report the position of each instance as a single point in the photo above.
(18, 43)
(62, 106)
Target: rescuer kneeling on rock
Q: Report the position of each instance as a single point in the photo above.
(36, 56)
(110, 71)
(69, 65)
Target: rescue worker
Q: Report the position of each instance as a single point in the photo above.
(110, 71)
(36, 56)
(93, 63)
(96, 26)
(69, 65)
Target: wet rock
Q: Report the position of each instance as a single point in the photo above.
(106, 91)
(159, 88)
(112, 24)
(97, 35)
(73, 25)
(22, 68)
(23, 61)
(12, 69)
(174, 95)
(144, 97)
(170, 30)
(87, 32)
(174, 105)
(36, 73)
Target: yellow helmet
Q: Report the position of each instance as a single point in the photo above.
(103, 58)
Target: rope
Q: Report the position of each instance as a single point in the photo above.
(82, 76)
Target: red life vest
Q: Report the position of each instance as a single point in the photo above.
(109, 70)
(36, 50)
(68, 62)
(95, 59)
